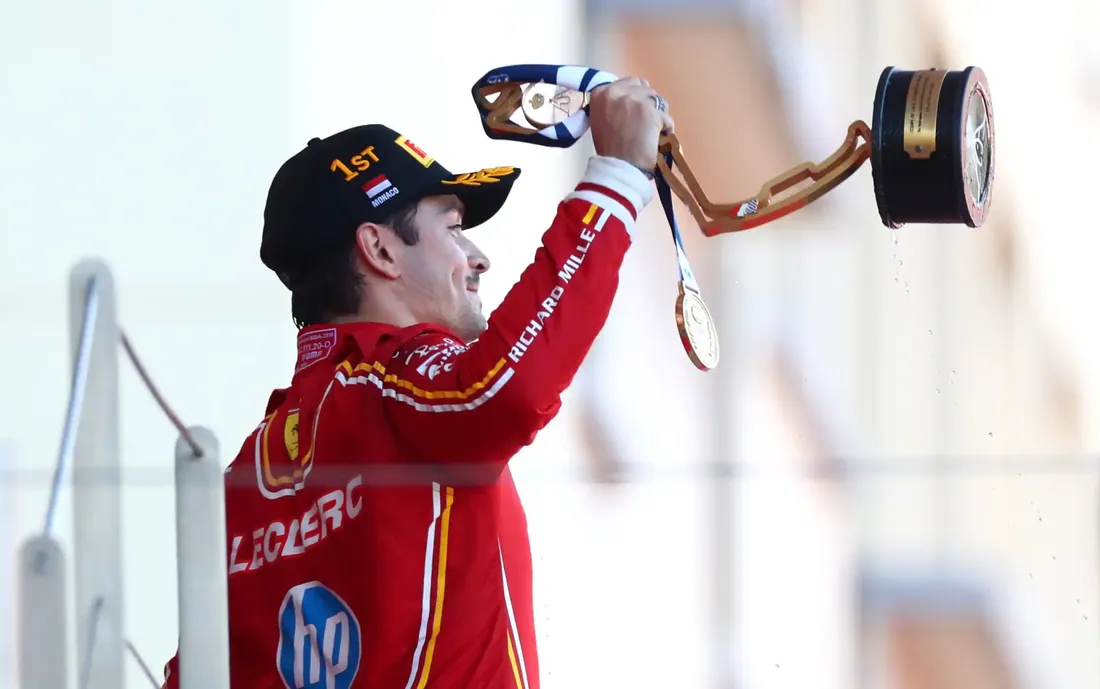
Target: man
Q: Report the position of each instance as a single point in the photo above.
(375, 535)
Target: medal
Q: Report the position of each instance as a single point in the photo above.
(697, 331)
(548, 105)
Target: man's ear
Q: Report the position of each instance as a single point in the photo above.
(379, 249)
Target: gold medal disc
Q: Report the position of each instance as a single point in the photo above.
(697, 331)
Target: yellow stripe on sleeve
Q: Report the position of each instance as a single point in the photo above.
(590, 214)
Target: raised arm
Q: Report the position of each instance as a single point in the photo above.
(483, 402)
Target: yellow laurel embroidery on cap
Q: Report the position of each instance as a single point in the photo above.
(415, 151)
(490, 175)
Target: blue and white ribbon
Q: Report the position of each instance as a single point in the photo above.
(563, 134)
(664, 192)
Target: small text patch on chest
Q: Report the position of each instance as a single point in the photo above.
(315, 346)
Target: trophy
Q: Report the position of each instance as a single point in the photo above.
(931, 146)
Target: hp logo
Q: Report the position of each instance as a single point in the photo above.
(318, 639)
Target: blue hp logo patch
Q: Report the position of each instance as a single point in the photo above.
(318, 639)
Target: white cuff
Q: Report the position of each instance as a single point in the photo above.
(622, 177)
(627, 182)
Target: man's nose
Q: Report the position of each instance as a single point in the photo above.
(479, 262)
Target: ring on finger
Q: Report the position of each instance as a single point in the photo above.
(659, 102)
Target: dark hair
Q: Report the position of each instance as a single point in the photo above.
(333, 286)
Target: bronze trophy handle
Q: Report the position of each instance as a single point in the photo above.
(718, 218)
(931, 145)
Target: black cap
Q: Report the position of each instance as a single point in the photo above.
(320, 196)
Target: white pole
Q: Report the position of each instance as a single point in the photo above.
(9, 568)
(97, 486)
(201, 562)
(42, 628)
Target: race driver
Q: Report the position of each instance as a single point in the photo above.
(375, 536)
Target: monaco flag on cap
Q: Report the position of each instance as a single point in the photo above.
(376, 186)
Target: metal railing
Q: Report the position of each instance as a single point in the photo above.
(90, 448)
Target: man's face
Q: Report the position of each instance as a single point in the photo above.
(443, 270)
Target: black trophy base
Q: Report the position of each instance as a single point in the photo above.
(932, 147)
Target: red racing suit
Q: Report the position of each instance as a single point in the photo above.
(375, 537)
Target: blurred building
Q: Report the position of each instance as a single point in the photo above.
(936, 361)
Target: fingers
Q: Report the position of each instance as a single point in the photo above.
(647, 96)
(629, 87)
(668, 125)
(638, 89)
(627, 117)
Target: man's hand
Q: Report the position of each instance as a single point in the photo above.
(626, 123)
